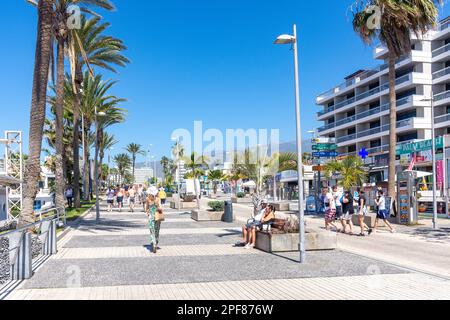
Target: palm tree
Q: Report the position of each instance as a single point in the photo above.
(167, 166)
(107, 141)
(96, 96)
(351, 171)
(123, 163)
(195, 165)
(134, 150)
(37, 112)
(88, 46)
(398, 20)
(215, 176)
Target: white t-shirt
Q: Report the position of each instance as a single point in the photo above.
(382, 203)
(260, 215)
(338, 196)
(330, 200)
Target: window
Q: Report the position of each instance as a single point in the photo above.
(375, 124)
(351, 131)
(407, 137)
(406, 115)
(351, 113)
(374, 105)
(375, 143)
(374, 85)
(405, 94)
(352, 148)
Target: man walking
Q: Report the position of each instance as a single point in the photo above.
(69, 196)
(382, 212)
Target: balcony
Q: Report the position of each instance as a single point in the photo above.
(441, 96)
(442, 119)
(364, 95)
(365, 114)
(373, 131)
(441, 50)
(379, 149)
(441, 73)
(359, 78)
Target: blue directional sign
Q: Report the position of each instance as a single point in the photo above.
(363, 153)
(325, 154)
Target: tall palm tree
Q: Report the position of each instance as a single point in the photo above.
(96, 96)
(38, 104)
(88, 47)
(106, 141)
(134, 150)
(398, 20)
(123, 163)
(351, 171)
(167, 166)
(195, 165)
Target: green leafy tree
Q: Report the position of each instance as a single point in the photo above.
(350, 170)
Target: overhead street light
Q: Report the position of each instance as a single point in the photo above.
(292, 39)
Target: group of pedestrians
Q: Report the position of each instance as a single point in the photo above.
(343, 205)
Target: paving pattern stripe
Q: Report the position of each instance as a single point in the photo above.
(143, 252)
(392, 287)
(134, 231)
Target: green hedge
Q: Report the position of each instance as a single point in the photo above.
(217, 206)
(241, 195)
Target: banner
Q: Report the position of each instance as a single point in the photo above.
(439, 174)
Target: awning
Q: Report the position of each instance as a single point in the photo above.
(420, 174)
(249, 184)
(7, 180)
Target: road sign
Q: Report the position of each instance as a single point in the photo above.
(324, 147)
(324, 140)
(318, 168)
(325, 154)
(420, 146)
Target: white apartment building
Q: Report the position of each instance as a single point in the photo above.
(143, 175)
(356, 112)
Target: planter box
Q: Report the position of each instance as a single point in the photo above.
(206, 215)
(368, 219)
(287, 242)
(184, 205)
(212, 196)
(281, 206)
(241, 200)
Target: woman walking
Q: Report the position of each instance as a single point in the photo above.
(382, 213)
(153, 210)
(110, 198)
(362, 212)
(120, 195)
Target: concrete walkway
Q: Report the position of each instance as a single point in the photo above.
(112, 260)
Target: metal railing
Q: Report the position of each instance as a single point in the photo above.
(365, 114)
(442, 96)
(441, 119)
(380, 129)
(21, 248)
(364, 95)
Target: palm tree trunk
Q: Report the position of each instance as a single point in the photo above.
(59, 127)
(86, 173)
(76, 136)
(38, 103)
(197, 196)
(134, 165)
(393, 124)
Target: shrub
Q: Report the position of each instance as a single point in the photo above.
(241, 195)
(216, 206)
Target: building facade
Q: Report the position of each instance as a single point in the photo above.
(356, 112)
(143, 175)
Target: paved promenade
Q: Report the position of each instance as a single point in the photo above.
(112, 260)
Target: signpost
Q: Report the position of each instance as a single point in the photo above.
(420, 146)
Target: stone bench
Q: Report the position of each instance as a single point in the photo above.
(241, 200)
(280, 206)
(184, 205)
(289, 242)
(204, 215)
(369, 220)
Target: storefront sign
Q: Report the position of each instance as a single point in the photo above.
(420, 146)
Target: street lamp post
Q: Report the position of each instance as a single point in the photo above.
(433, 152)
(177, 139)
(292, 39)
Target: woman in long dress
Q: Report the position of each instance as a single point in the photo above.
(153, 205)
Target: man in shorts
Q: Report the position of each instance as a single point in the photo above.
(132, 198)
(330, 210)
(337, 194)
(256, 221)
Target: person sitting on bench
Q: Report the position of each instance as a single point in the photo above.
(269, 215)
(250, 223)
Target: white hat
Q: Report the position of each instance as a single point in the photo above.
(153, 191)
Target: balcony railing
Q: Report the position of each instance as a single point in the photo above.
(443, 26)
(366, 133)
(441, 119)
(361, 77)
(379, 149)
(364, 95)
(441, 50)
(441, 73)
(365, 114)
(442, 96)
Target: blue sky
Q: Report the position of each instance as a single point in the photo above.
(208, 60)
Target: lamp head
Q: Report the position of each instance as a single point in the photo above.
(285, 39)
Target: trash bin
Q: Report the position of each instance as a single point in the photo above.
(228, 215)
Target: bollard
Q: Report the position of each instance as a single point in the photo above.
(20, 256)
